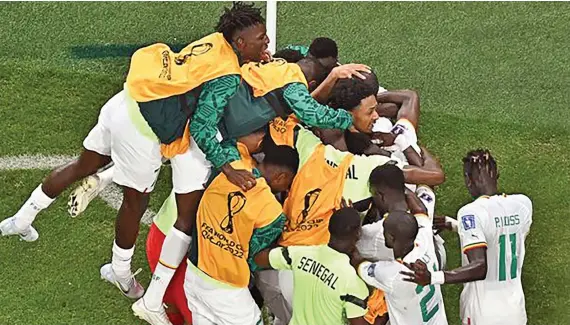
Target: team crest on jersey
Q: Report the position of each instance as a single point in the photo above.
(468, 221)
(370, 270)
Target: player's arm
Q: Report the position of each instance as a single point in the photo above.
(474, 245)
(409, 103)
(324, 90)
(430, 173)
(414, 203)
(263, 238)
(310, 112)
(204, 127)
(279, 258)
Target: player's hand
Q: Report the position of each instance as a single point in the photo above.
(350, 70)
(239, 177)
(345, 204)
(419, 273)
(441, 223)
(266, 56)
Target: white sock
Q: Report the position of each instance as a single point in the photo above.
(173, 250)
(121, 261)
(106, 176)
(37, 201)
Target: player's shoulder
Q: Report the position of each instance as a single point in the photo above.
(521, 199)
(473, 215)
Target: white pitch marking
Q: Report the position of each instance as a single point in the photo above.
(111, 195)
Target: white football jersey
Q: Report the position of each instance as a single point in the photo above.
(408, 303)
(500, 223)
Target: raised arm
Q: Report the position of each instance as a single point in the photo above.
(324, 90)
(407, 100)
(310, 112)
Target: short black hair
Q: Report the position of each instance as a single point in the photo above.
(344, 223)
(480, 160)
(239, 17)
(282, 156)
(320, 72)
(323, 47)
(388, 176)
(289, 55)
(348, 92)
(402, 225)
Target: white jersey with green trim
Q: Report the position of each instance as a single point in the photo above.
(500, 223)
(408, 303)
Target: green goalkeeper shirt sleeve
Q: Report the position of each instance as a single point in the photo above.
(310, 112)
(209, 111)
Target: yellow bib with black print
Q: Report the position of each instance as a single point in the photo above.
(266, 77)
(156, 72)
(225, 222)
(315, 193)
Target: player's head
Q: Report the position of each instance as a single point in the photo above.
(400, 231)
(314, 72)
(387, 185)
(480, 172)
(358, 96)
(279, 167)
(325, 51)
(254, 140)
(289, 55)
(344, 228)
(243, 27)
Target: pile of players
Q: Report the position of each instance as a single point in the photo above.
(298, 184)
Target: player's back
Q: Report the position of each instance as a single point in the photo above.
(409, 303)
(500, 222)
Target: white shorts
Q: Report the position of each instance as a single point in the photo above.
(190, 170)
(269, 284)
(211, 304)
(137, 158)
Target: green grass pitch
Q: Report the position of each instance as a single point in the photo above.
(492, 75)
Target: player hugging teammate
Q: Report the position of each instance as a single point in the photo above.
(298, 184)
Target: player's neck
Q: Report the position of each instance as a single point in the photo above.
(397, 204)
(488, 190)
(341, 246)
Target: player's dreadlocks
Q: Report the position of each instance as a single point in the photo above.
(478, 161)
(239, 17)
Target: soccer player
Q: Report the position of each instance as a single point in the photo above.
(411, 239)
(492, 230)
(324, 49)
(149, 119)
(231, 227)
(327, 289)
(174, 296)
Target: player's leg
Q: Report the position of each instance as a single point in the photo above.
(154, 242)
(190, 171)
(137, 162)
(267, 281)
(96, 154)
(89, 189)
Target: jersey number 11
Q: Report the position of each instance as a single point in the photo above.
(503, 257)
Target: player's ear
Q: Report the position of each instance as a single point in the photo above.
(312, 85)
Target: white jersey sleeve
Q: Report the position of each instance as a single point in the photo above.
(381, 274)
(472, 227)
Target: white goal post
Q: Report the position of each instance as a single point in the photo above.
(271, 24)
